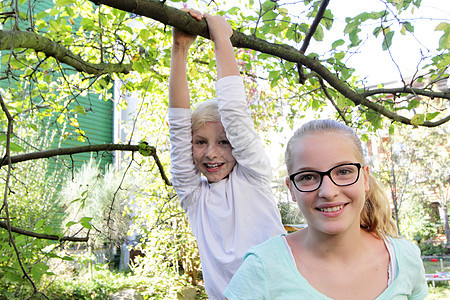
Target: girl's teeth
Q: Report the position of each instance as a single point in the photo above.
(332, 209)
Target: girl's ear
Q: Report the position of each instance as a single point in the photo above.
(366, 173)
(289, 185)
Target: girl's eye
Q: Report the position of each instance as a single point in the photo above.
(224, 142)
(200, 142)
(346, 171)
(307, 177)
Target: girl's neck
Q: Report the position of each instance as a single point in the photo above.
(342, 246)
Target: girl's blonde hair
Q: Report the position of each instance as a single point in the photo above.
(376, 214)
(206, 111)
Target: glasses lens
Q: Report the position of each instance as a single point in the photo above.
(342, 175)
(345, 174)
(307, 181)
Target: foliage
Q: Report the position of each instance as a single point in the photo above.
(171, 255)
(92, 201)
(33, 207)
(431, 249)
(290, 213)
(441, 291)
(102, 283)
(413, 163)
(64, 50)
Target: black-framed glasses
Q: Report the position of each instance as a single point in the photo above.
(340, 175)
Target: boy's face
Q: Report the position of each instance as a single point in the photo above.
(212, 151)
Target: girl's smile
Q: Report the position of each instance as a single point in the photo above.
(331, 209)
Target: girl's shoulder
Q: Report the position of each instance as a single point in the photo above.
(405, 249)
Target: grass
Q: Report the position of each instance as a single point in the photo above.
(441, 289)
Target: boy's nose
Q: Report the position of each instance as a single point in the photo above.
(328, 189)
(211, 152)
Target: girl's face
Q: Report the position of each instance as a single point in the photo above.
(330, 209)
(212, 151)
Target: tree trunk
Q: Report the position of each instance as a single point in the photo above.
(445, 217)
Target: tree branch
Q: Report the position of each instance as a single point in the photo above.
(405, 90)
(174, 17)
(314, 25)
(150, 151)
(44, 236)
(30, 40)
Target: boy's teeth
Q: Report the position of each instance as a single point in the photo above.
(332, 209)
(212, 165)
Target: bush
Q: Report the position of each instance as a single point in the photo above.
(431, 249)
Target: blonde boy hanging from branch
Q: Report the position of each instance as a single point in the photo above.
(231, 207)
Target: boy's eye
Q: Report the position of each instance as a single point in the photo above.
(200, 142)
(224, 142)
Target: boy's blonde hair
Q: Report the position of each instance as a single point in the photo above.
(206, 111)
(376, 214)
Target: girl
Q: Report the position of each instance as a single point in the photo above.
(350, 249)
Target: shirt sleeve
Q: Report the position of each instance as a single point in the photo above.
(185, 175)
(420, 290)
(249, 281)
(239, 127)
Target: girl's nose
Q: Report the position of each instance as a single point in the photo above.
(328, 189)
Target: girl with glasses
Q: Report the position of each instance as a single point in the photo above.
(350, 248)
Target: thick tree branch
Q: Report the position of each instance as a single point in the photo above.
(31, 40)
(44, 236)
(149, 151)
(174, 17)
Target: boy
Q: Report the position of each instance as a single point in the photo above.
(232, 207)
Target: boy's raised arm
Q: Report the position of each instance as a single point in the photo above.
(178, 85)
(220, 32)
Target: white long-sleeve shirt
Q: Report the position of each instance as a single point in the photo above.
(229, 216)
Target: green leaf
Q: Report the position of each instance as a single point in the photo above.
(417, 119)
(408, 26)
(67, 258)
(145, 149)
(442, 26)
(413, 103)
(339, 55)
(64, 2)
(327, 19)
(80, 109)
(39, 224)
(444, 41)
(391, 129)
(337, 43)
(283, 11)
(16, 148)
(318, 34)
(431, 116)
(86, 219)
(387, 42)
(70, 223)
(34, 127)
(86, 225)
(144, 34)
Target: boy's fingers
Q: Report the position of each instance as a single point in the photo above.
(194, 13)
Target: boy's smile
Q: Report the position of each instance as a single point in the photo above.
(212, 151)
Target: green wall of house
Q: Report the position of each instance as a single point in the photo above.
(97, 123)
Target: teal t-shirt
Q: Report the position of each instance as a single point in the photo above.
(269, 273)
